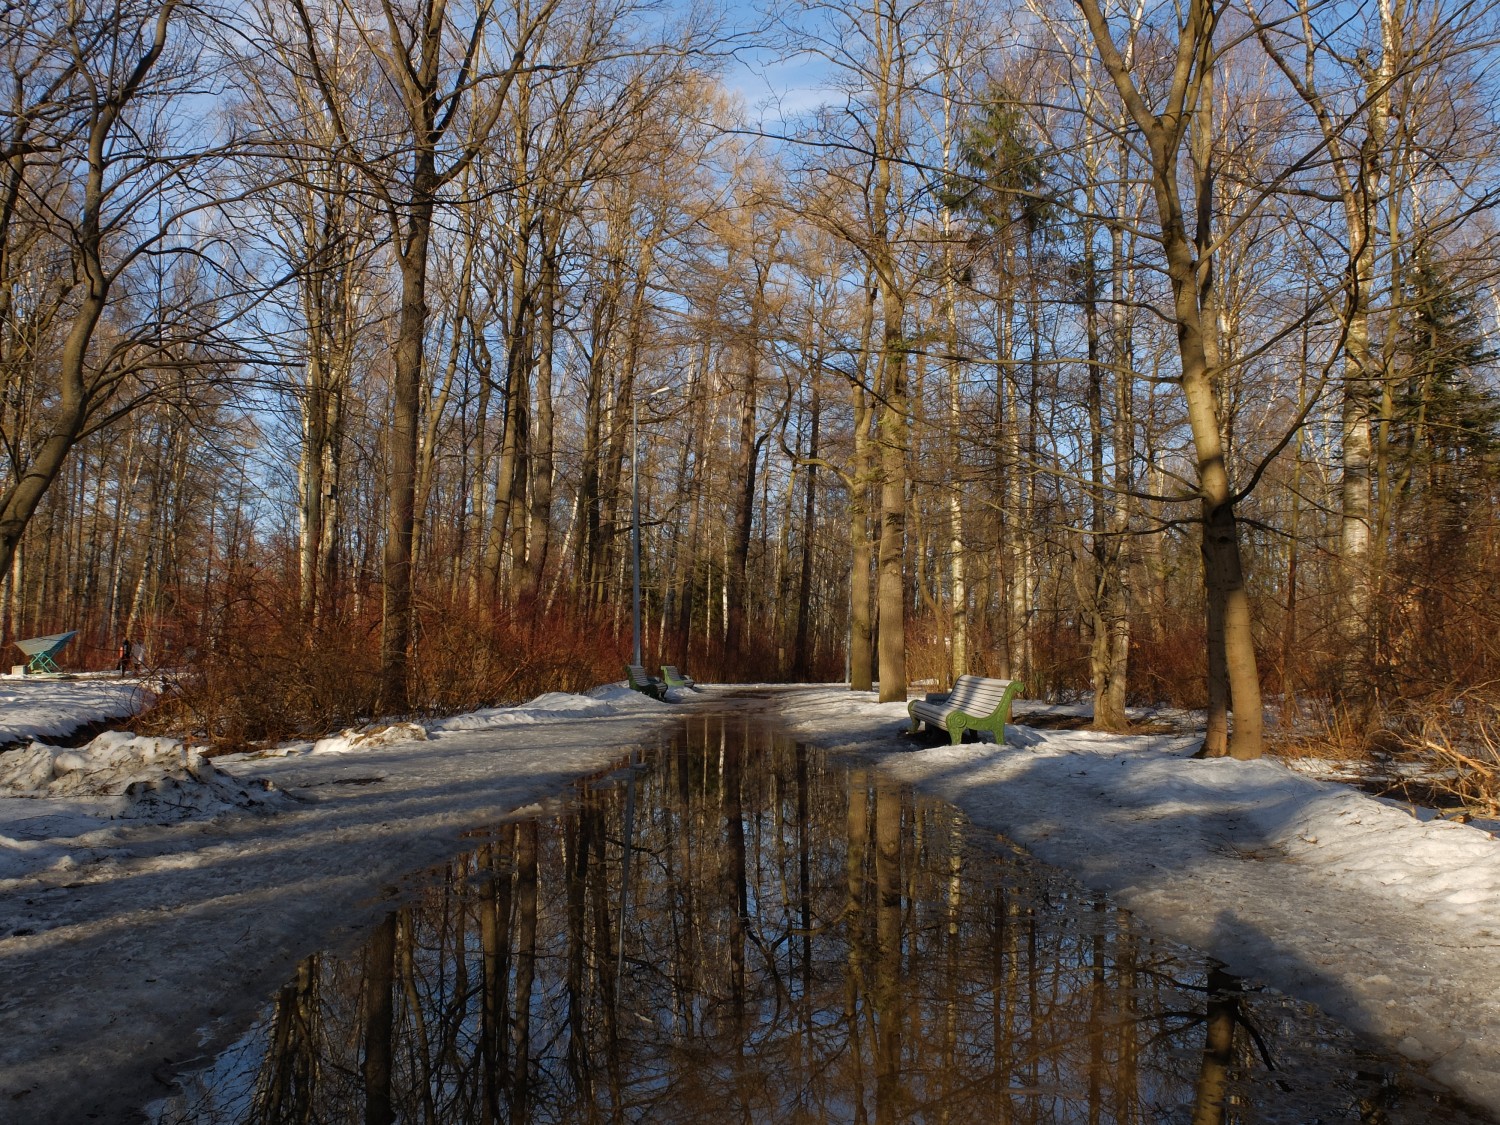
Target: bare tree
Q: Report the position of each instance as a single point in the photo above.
(450, 71)
(1166, 122)
(88, 159)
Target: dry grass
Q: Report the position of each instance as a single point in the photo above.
(1441, 751)
(1460, 741)
(1167, 662)
(1329, 733)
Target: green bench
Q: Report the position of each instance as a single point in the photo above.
(674, 678)
(645, 683)
(976, 703)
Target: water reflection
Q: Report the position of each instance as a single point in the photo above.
(746, 931)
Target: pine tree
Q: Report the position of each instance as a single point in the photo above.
(1445, 419)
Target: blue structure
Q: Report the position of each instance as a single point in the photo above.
(39, 651)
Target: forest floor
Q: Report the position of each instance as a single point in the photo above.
(151, 901)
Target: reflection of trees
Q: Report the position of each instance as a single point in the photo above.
(379, 1020)
(287, 1086)
(1212, 1090)
(800, 943)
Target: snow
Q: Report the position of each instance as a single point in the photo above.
(34, 707)
(189, 915)
(189, 920)
(1388, 921)
(119, 777)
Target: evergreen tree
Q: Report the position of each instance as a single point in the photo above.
(1004, 184)
(1445, 431)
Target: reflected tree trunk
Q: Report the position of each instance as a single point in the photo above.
(494, 938)
(804, 885)
(287, 1089)
(888, 978)
(1218, 1050)
(379, 1023)
(526, 927)
(578, 847)
(734, 834)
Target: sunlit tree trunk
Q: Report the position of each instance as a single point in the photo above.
(1165, 134)
(802, 644)
(891, 442)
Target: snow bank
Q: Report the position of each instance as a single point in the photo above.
(156, 779)
(71, 808)
(39, 709)
(189, 927)
(610, 699)
(1389, 922)
(370, 737)
(554, 707)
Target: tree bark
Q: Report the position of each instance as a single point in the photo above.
(1165, 133)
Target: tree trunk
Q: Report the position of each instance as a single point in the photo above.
(861, 649)
(892, 426)
(406, 390)
(542, 448)
(747, 463)
(892, 439)
(801, 646)
(1164, 133)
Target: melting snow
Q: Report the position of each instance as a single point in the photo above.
(37, 708)
(132, 880)
(1384, 919)
(184, 913)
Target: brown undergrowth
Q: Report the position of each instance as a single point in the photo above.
(1441, 751)
(268, 676)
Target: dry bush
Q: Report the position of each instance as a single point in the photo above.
(1439, 624)
(929, 658)
(468, 659)
(1059, 665)
(1438, 751)
(1167, 662)
(263, 675)
(1454, 742)
(1330, 733)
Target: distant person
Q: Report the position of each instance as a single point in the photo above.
(126, 650)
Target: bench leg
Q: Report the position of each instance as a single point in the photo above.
(955, 731)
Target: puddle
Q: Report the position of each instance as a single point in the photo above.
(740, 929)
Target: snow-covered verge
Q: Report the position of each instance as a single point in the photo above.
(131, 946)
(1389, 922)
(189, 921)
(38, 708)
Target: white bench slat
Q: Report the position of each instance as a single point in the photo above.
(976, 697)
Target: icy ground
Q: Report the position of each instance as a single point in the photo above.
(135, 945)
(136, 938)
